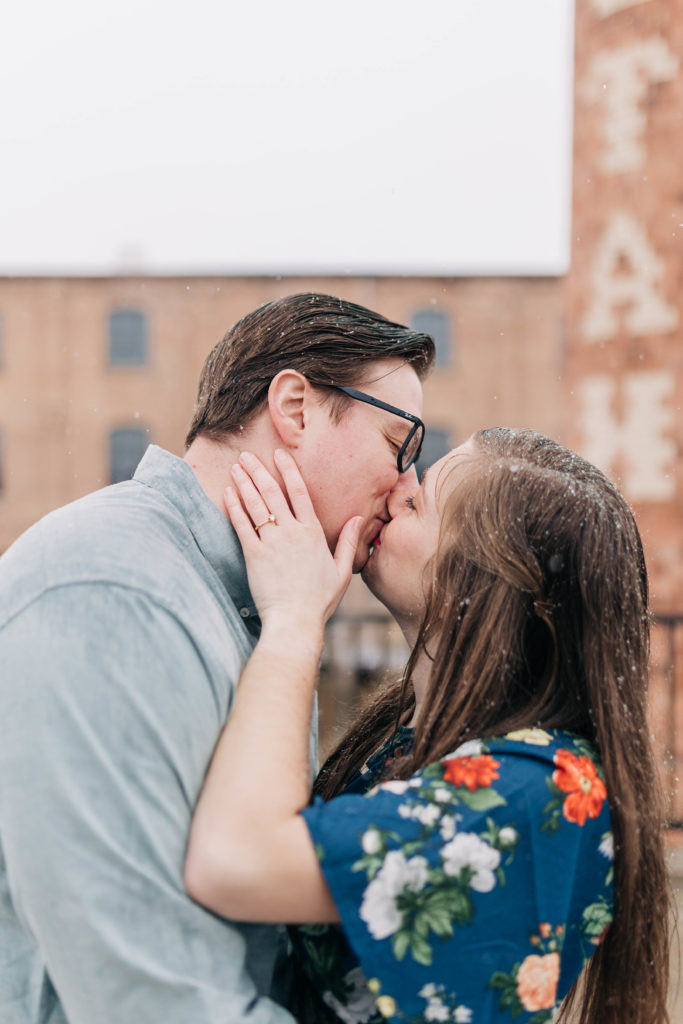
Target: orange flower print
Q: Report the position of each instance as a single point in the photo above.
(472, 772)
(577, 776)
(537, 981)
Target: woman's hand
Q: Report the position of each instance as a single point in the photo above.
(238, 857)
(292, 575)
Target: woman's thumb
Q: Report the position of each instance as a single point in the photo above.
(345, 551)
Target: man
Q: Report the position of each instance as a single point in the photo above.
(125, 619)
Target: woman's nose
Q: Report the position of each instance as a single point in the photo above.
(405, 486)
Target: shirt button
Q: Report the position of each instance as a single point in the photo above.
(245, 613)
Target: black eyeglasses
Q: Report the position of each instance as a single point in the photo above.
(412, 446)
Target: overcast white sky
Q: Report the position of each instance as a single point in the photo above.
(370, 136)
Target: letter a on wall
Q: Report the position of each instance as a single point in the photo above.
(624, 279)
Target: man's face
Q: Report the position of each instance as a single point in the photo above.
(350, 467)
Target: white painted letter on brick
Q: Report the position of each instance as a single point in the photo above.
(625, 272)
(606, 7)
(639, 438)
(619, 79)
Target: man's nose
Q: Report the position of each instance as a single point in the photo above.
(405, 486)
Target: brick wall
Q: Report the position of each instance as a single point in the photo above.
(624, 290)
(59, 398)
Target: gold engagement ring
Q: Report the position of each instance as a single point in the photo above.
(271, 519)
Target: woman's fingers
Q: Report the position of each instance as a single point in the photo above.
(260, 492)
(244, 527)
(251, 499)
(297, 492)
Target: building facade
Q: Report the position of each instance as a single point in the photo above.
(92, 369)
(624, 303)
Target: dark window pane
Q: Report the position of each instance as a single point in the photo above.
(127, 338)
(437, 443)
(437, 323)
(126, 448)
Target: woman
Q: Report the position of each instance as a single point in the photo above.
(469, 820)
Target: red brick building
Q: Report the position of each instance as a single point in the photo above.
(91, 369)
(624, 297)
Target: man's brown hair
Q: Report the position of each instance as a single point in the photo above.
(329, 340)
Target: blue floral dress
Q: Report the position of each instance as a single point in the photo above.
(473, 892)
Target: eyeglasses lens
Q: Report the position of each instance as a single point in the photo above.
(412, 449)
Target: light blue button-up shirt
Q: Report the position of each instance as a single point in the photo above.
(125, 619)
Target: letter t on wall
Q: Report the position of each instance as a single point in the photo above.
(619, 80)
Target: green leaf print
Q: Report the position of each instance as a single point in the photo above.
(483, 799)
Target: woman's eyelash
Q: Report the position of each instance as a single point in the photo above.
(410, 501)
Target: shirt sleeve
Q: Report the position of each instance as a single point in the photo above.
(103, 746)
(457, 889)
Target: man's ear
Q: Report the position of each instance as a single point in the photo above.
(288, 397)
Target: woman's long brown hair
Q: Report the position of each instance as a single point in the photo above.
(537, 615)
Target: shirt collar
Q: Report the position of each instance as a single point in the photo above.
(213, 534)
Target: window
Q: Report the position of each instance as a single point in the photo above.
(128, 338)
(437, 323)
(437, 443)
(126, 448)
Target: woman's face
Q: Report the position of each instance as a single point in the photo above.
(396, 571)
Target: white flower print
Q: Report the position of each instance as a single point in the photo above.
(447, 827)
(371, 841)
(360, 1004)
(442, 795)
(394, 786)
(468, 850)
(435, 1010)
(428, 814)
(438, 1009)
(606, 846)
(378, 909)
(508, 836)
(471, 748)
